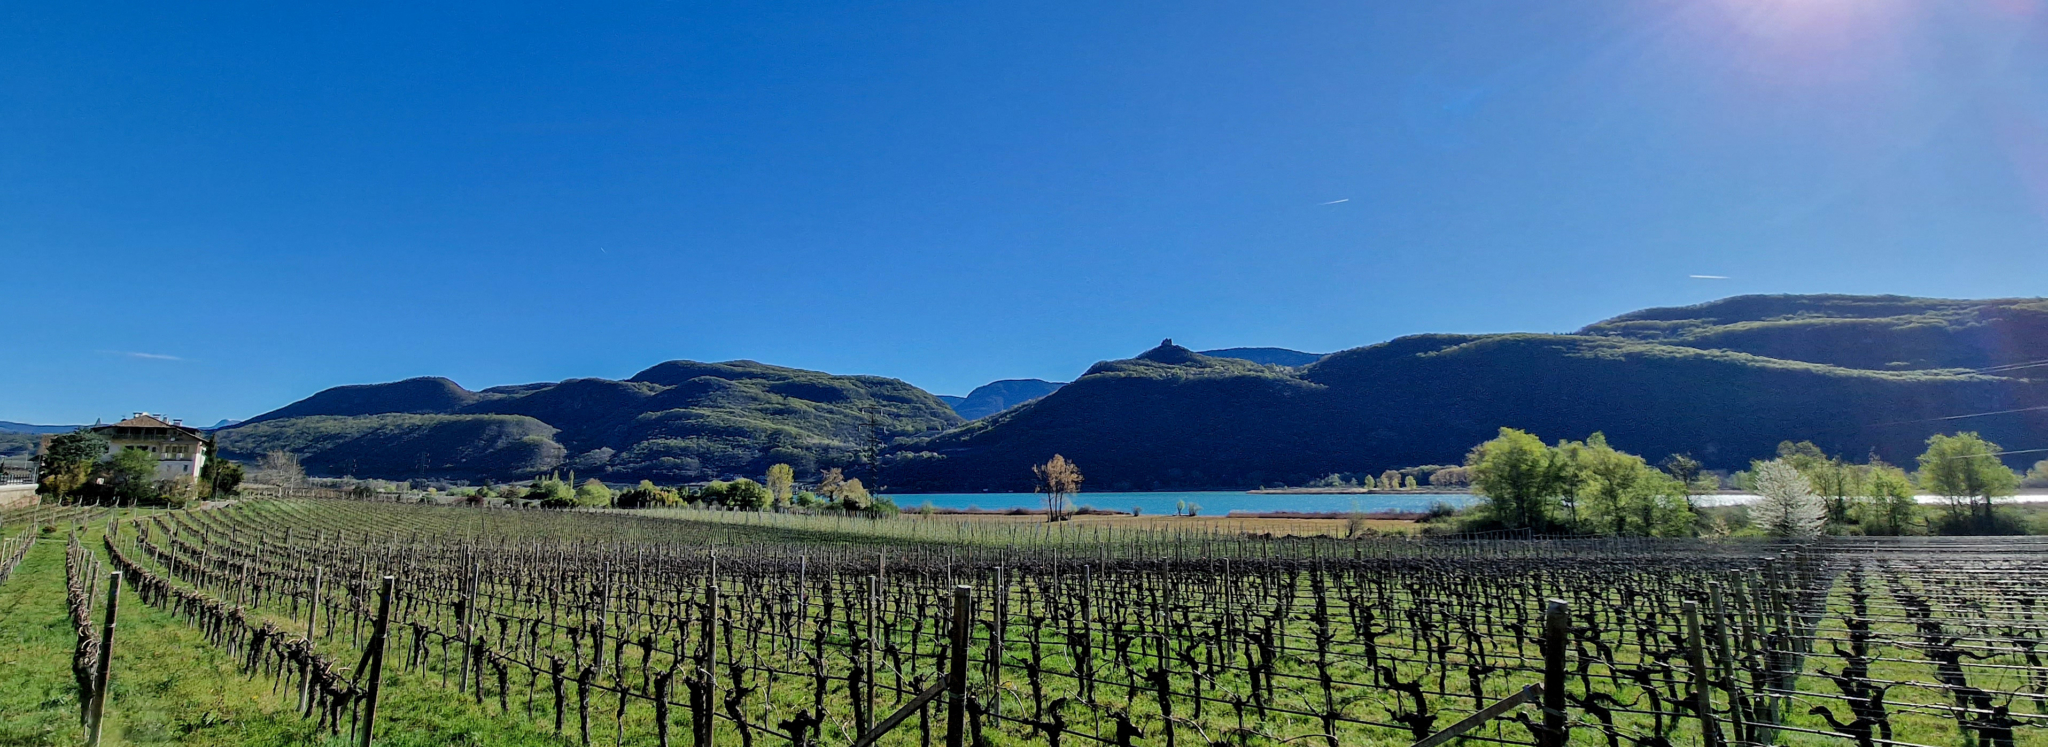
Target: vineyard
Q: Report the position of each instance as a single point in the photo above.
(609, 628)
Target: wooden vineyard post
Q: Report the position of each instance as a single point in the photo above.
(1727, 668)
(700, 725)
(1696, 656)
(997, 641)
(312, 618)
(467, 629)
(313, 610)
(956, 675)
(376, 657)
(1556, 628)
(104, 668)
(868, 656)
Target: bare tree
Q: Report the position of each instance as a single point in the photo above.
(1057, 479)
(281, 468)
(830, 483)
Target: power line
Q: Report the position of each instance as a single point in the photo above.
(2012, 366)
(1962, 417)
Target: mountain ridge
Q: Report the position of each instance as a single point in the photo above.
(7, 426)
(676, 421)
(1166, 420)
(1724, 380)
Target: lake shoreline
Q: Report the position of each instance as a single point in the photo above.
(1359, 491)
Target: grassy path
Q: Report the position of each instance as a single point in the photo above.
(170, 687)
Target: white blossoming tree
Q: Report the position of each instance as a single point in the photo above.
(1786, 505)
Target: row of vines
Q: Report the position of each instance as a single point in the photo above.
(611, 629)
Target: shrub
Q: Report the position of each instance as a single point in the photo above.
(551, 492)
(593, 493)
(1438, 511)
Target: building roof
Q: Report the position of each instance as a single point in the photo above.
(146, 420)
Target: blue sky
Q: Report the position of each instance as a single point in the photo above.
(212, 210)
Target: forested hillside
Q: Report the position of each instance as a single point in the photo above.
(1172, 418)
(1873, 332)
(678, 421)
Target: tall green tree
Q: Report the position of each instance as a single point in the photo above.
(551, 492)
(1623, 495)
(1801, 455)
(131, 476)
(1965, 469)
(742, 493)
(1520, 478)
(68, 463)
(1606, 484)
(1683, 467)
(1835, 482)
(781, 481)
(646, 495)
(1663, 506)
(220, 478)
(1889, 508)
(853, 496)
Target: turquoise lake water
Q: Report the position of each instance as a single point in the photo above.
(1213, 503)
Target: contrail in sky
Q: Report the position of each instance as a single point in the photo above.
(144, 356)
(1708, 277)
(1333, 202)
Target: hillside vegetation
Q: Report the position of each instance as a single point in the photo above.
(677, 421)
(1871, 332)
(1171, 418)
(1272, 356)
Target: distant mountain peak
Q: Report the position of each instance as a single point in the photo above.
(1170, 354)
(997, 396)
(30, 428)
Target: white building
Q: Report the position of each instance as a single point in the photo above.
(180, 451)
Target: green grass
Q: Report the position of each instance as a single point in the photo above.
(170, 687)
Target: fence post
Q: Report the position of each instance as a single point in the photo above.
(1556, 629)
(104, 670)
(1696, 656)
(376, 652)
(956, 677)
